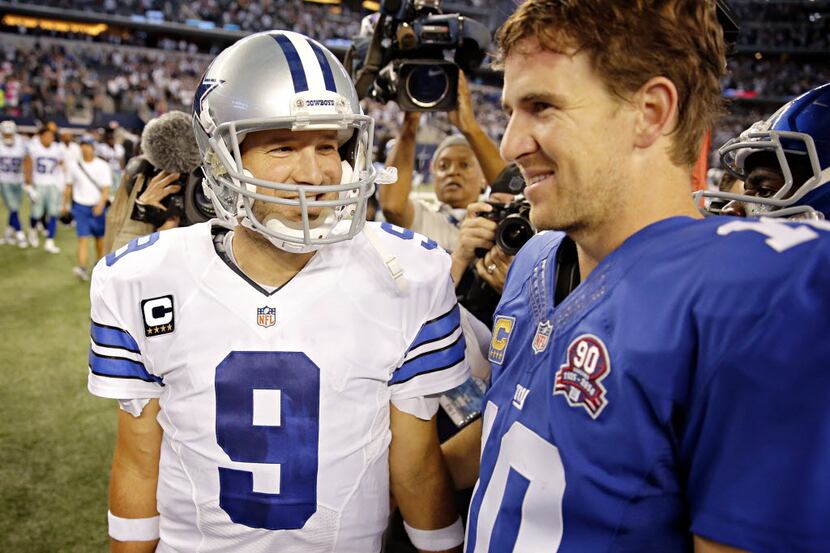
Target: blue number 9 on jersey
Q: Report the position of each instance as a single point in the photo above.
(268, 412)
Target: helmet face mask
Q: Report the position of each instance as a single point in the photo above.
(738, 154)
(325, 100)
(795, 141)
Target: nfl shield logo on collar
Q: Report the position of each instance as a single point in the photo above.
(266, 316)
(542, 337)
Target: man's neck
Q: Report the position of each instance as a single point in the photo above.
(263, 262)
(671, 197)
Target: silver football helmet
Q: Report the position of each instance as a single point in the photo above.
(8, 129)
(283, 80)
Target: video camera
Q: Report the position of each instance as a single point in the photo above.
(514, 227)
(406, 57)
(190, 204)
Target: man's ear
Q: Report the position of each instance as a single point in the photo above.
(656, 105)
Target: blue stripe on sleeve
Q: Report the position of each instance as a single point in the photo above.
(325, 66)
(437, 328)
(431, 361)
(112, 337)
(294, 63)
(119, 368)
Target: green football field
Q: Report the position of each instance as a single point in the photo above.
(55, 438)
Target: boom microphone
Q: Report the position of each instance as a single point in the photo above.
(169, 144)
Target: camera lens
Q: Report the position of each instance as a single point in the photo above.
(512, 233)
(427, 85)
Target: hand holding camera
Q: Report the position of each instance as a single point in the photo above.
(160, 187)
(151, 206)
(513, 226)
(477, 234)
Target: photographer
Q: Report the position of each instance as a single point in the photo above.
(160, 188)
(489, 237)
(462, 166)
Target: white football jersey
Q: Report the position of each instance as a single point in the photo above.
(274, 406)
(46, 163)
(113, 155)
(11, 160)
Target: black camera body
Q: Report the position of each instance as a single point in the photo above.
(514, 227)
(405, 60)
(190, 204)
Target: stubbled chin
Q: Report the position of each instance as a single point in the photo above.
(534, 194)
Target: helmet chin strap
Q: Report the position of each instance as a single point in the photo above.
(321, 227)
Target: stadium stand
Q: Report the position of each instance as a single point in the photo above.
(783, 49)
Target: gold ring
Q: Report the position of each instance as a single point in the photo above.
(491, 268)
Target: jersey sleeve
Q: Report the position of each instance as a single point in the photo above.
(435, 360)
(117, 367)
(757, 441)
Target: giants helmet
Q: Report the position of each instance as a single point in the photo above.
(282, 80)
(796, 139)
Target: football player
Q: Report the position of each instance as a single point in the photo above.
(659, 380)
(43, 168)
(784, 161)
(264, 361)
(12, 152)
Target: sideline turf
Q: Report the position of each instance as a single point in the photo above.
(55, 438)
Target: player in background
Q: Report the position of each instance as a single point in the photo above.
(277, 367)
(659, 379)
(70, 148)
(111, 151)
(12, 152)
(87, 190)
(43, 168)
(783, 161)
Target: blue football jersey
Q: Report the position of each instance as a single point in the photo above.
(682, 388)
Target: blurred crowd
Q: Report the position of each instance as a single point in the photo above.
(784, 24)
(81, 81)
(773, 76)
(317, 20)
(84, 82)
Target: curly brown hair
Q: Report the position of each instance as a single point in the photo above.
(631, 41)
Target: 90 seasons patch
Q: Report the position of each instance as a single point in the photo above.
(580, 378)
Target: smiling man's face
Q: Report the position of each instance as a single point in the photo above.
(301, 157)
(571, 139)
